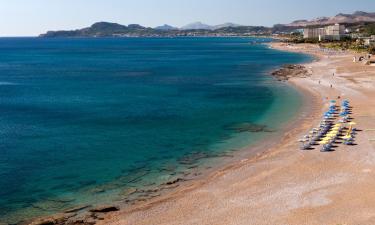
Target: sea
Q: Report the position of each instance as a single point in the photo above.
(87, 121)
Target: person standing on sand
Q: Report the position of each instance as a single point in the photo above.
(331, 86)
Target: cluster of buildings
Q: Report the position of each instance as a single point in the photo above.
(369, 41)
(334, 33)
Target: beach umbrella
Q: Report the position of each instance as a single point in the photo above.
(352, 123)
(347, 137)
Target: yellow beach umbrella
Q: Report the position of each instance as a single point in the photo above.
(352, 123)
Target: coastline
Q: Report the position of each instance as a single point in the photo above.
(143, 193)
(263, 188)
(253, 153)
(243, 189)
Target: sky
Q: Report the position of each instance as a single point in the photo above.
(33, 17)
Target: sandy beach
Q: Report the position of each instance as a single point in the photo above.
(285, 185)
(282, 184)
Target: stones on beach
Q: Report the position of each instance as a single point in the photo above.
(105, 209)
(57, 219)
(174, 181)
(289, 71)
(77, 209)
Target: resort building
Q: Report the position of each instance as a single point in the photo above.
(313, 33)
(333, 32)
(369, 41)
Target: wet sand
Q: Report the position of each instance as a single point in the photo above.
(284, 185)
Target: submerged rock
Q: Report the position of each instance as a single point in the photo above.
(249, 127)
(193, 157)
(129, 191)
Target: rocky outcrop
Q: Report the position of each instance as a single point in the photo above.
(289, 71)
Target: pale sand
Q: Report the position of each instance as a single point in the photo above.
(285, 185)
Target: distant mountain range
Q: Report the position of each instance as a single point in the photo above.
(106, 29)
(202, 26)
(166, 27)
(197, 26)
(356, 17)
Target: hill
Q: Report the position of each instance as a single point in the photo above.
(356, 17)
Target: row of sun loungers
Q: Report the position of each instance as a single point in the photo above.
(335, 126)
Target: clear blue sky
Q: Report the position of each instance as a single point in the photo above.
(32, 17)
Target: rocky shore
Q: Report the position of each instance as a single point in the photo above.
(289, 71)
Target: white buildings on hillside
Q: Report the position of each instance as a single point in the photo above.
(333, 32)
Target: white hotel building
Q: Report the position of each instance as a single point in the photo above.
(333, 32)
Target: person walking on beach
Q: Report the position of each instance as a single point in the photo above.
(331, 86)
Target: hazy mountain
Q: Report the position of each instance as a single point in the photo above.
(356, 17)
(226, 25)
(166, 27)
(196, 26)
(202, 26)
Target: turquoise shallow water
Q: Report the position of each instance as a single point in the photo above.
(83, 119)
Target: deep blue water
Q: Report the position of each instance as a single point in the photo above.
(83, 119)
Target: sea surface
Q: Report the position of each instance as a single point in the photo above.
(87, 121)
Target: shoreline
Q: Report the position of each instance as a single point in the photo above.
(252, 153)
(299, 195)
(232, 181)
